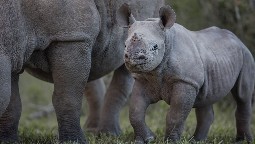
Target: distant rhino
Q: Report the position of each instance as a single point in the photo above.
(187, 69)
(67, 43)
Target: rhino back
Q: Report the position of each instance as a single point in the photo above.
(222, 55)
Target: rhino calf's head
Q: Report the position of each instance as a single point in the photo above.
(145, 45)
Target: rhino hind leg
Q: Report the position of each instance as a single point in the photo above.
(116, 96)
(94, 93)
(10, 119)
(70, 64)
(243, 95)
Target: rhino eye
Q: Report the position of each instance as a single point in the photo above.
(155, 47)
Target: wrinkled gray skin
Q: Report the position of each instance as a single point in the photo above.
(67, 43)
(186, 69)
(60, 28)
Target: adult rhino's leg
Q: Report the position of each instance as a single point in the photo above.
(137, 110)
(116, 96)
(205, 117)
(10, 119)
(182, 99)
(94, 93)
(5, 83)
(243, 93)
(70, 64)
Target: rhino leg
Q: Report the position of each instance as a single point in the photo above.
(137, 110)
(10, 119)
(205, 117)
(116, 96)
(5, 88)
(243, 94)
(243, 111)
(70, 64)
(182, 100)
(243, 119)
(5, 83)
(94, 93)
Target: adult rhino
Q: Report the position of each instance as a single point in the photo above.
(70, 47)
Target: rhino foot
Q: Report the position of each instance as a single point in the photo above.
(8, 135)
(9, 139)
(146, 139)
(68, 139)
(91, 126)
(72, 136)
(91, 130)
(110, 129)
(240, 140)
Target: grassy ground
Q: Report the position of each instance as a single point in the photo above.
(36, 95)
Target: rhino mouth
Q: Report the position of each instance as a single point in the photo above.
(135, 64)
(135, 67)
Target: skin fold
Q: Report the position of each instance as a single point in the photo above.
(187, 69)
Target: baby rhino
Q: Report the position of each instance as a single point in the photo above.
(186, 69)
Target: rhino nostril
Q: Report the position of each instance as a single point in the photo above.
(126, 56)
(141, 57)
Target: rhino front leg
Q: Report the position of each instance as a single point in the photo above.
(5, 83)
(70, 64)
(117, 94)
(94, 93)
(138, 105)
(10, 119)
(182, 99)
(205, 117)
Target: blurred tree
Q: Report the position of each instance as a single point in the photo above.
(252, 4)
(237, 16)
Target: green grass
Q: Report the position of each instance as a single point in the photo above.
(36, 94)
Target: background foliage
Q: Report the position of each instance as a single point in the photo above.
(38, 122)
(237, 16)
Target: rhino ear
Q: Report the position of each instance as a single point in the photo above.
(124, 16)
(167, 16)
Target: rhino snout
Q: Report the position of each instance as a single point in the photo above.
(136, 59)
(126, 56)
(141, 56)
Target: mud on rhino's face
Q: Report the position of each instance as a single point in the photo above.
(145, 46)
